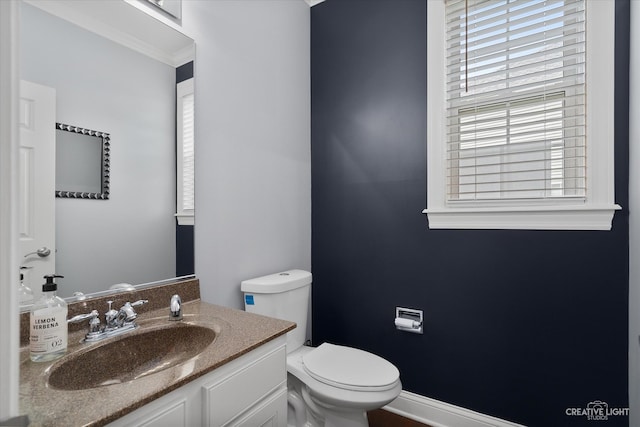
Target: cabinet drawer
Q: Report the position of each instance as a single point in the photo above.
(231, 396)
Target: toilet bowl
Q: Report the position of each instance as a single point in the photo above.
(330, 385)
(340, 384)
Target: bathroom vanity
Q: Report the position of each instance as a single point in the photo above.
(248, 391)
(217, 366)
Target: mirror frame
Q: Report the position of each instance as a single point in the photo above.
(105, 169)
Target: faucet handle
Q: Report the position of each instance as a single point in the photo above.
(127, 313)
(94, 323)
(94, 320)
(139, 302)
(80, 317)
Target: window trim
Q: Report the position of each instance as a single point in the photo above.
(597, 210)
(184, 216)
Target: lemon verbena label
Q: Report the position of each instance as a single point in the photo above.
(47, 333)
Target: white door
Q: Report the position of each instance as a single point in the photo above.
(37, 172)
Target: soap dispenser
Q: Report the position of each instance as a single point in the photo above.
(24, 292)
(48, 324)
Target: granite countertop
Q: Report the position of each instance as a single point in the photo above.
(237, 333)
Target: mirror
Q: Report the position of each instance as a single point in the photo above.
(82, 162)
(132, 237)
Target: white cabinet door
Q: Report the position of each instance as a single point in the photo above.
(37, 175)
(171, 410)
(270, 413)
(228, 397)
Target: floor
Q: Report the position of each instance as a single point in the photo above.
(382, 418)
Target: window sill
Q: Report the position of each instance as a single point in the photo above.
(185, 219)
(523, 218)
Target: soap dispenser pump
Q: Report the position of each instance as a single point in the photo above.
(48, 324)
(24, 292)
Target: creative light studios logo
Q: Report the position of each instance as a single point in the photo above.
(597, 411)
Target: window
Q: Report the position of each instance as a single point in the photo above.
(514, 150)
(511, 141)
(185, 153)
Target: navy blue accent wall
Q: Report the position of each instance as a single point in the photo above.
(184, 233)
(520, 325)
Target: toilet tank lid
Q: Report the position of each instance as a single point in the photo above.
(276, 283)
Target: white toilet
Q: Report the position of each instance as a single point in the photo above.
(330, 385)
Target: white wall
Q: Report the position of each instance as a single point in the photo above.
(104, 86)
(634, 218)
(253, 165)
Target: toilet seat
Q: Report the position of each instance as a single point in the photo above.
(350, 369)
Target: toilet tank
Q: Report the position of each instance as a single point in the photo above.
(284, 295)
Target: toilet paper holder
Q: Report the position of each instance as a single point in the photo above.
(409, 320)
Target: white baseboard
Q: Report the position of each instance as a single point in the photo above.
(440, 414)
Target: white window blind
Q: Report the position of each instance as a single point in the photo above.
(515, 99)
(185, 152)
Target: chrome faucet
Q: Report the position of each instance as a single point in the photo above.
(110, 317)
(116, 322)
(123, 317)
(94, 320)
(175, 308)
